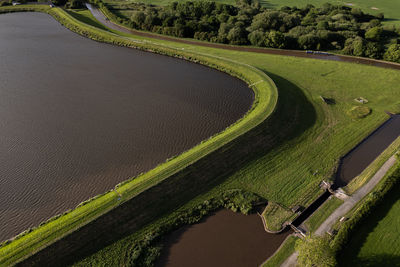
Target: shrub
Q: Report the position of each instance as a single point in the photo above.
(393, 53)
(315, 251)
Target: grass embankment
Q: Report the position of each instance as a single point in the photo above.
(323, 212)
(264, 105)
(390, 8)
(283, 159)
(274, 214)
(287, 248)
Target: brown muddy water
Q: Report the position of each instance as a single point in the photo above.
(223, 239)
(77, 117)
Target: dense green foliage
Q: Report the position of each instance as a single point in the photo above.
(5, 3)
(330, 27)
(365, 214)
(315, 251)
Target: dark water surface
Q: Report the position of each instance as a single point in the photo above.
(354, 162)
(223, 239)
(77, 117)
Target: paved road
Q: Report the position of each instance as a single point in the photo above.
(355, 198)
(346, 206)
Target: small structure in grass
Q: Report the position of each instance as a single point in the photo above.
(361, 100)
(327, 100)
(359, 112)
(297, 209)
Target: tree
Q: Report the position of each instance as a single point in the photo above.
(373, 50)
(374, 34)
(256, 38)
(308, 41)
(315, 251)
(323, 25)
(275, 39)
(138, 17)
(59, 2)
(74, 4)
(393, 53)
(237, 36)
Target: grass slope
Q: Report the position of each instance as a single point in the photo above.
(287, 248)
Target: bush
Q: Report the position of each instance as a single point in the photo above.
(74, 4)
(393, 53)
(256, 38)
(275, 39)
(374, 34)
(315, 251)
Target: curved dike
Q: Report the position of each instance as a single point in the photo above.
(77, 117)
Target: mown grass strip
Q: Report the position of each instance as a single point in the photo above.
(286, 249)
(266, 97)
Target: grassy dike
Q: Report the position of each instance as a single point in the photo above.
(266, 96)
(283, 159)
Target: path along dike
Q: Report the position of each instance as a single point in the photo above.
(348, 204)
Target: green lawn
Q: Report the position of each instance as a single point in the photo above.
(376, 241)
(390, 8)
(283, 159)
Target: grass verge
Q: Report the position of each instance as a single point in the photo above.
(287, 248)
(323, 212)
(274, 214)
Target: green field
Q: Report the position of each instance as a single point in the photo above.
(391, 9)
(375, 242)
(282, 160)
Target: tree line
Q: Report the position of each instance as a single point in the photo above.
(329, 27)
